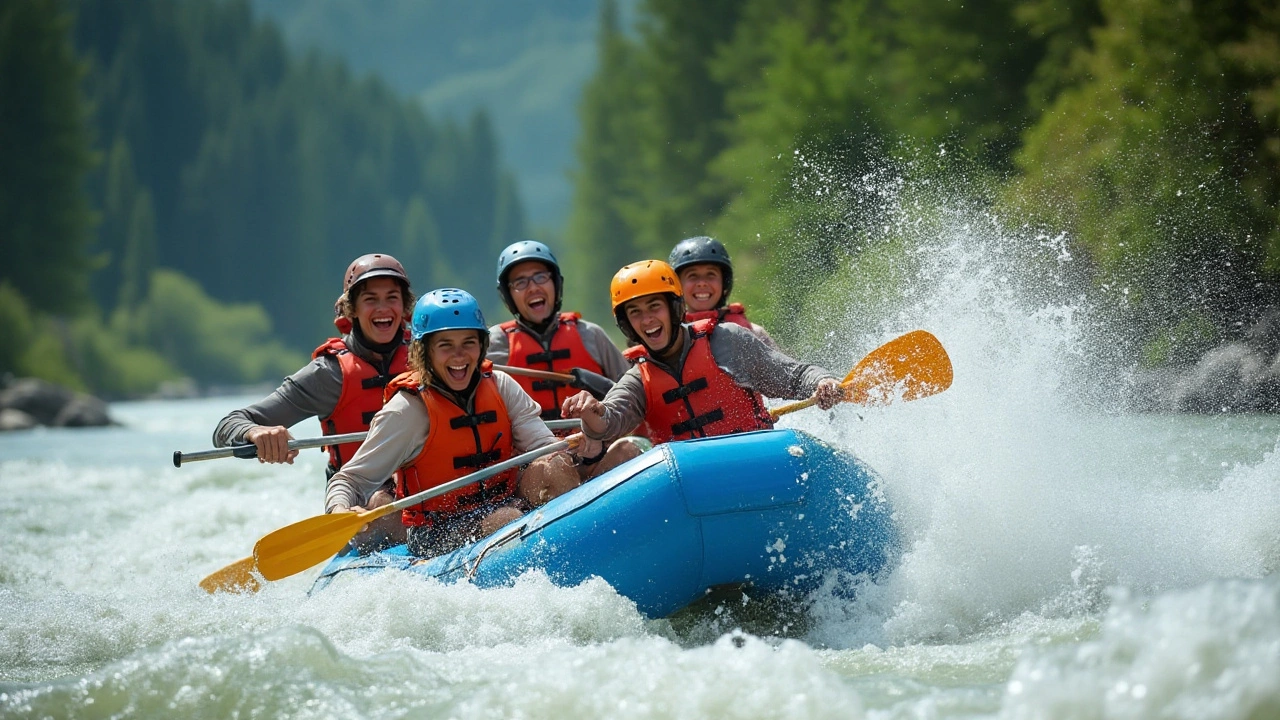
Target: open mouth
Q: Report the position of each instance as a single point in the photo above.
(458, 373)
(537, 303)
(702, 297)
(383, 323)
(653, 333)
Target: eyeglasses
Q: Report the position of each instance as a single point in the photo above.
(538, 278)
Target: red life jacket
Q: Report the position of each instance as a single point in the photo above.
(705, 401)
(564, 353)
(361, 398)
(457, 444)
(733, 313)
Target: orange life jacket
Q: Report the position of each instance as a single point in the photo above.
(564, 353)
(703, 402)
(361, 398)
(733, 313)
(457, 444)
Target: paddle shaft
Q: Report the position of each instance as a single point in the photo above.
(540, 374)
(477, 476)
(250, 451)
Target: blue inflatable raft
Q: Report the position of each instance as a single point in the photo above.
(775, 510)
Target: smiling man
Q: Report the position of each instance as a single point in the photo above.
(541, 337)
(690, 380)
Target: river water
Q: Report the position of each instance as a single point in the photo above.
(1061, 560)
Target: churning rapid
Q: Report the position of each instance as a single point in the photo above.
(1061, 559)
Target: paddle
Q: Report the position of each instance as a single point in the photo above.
(304, 544)
(915, 363)
(251, 451)
(578, 378)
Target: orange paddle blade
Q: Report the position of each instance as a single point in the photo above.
(307, 543)
(238, 577)
(912, 366)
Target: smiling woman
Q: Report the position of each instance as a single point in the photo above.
(450, 416)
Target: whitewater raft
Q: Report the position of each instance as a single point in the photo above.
(772, 511)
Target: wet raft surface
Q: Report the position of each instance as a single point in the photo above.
(777, 511)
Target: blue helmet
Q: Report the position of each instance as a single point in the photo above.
(447, 309)
(518, 252)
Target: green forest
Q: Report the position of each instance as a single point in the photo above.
(179, 195)
(180, 192)
(1146, 131)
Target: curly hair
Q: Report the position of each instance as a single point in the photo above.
(347, 309)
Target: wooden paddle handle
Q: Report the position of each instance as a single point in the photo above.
(791, 407)
(540, 374)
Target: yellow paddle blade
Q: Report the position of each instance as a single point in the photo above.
(915, 364)
(307, 543)
(238, 577)
(912, 366)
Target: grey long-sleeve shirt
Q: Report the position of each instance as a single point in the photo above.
(594, 339)
(399, 430)
(313, 391)
(737, 351)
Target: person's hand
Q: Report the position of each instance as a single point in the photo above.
(586, 407)
(828, 394)
(272, 443)
(588, 448)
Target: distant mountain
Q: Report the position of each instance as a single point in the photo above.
(526, 62)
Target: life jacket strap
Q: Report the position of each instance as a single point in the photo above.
(684, 391)
(377, 381)
(477, 460)
(697, 423)
(470, 421)
(548, 356)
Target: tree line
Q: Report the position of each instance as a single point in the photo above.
(180, 193)
(1147, 131)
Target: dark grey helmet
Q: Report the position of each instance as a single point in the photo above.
(702, 249)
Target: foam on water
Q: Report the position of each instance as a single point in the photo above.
(1016, 490)
(1055, 558)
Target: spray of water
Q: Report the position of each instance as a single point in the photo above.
(1016, 490)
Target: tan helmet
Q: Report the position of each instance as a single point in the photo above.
(371, 266)
(364, 268)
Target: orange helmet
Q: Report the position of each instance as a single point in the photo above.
(645, 278)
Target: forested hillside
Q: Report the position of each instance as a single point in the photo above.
(177, 189)
(1147, 131)
(524, 63)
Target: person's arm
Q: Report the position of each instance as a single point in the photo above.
(499, 352)
(313, 391)
(396, 436)
(763, 369)
(618, 414)
(528, 431)
(764, 336)
(602, 349)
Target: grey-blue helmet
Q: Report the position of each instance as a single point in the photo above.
(702, 249)
(524, 250)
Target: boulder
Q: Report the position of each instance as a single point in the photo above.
(37, 398)
(83, 411)
(11, 419)
(49, 404)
